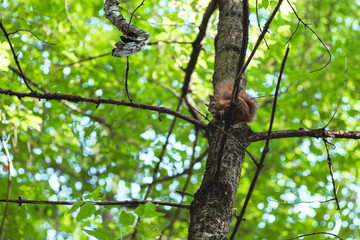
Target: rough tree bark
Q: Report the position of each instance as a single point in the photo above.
(211, 209)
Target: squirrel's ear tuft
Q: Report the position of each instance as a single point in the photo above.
(212, 98)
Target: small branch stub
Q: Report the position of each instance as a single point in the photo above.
(135, 39)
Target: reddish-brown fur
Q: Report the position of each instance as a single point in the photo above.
(245, 110)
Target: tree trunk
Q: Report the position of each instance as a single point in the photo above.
(211, 209)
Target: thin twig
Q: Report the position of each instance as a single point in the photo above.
(258, 21)
(340, 95)
(106, 203)
(126, 78)
(317, 233)
(260, 38)
(9, 184)
(15, 57)
(265, 150)
(84, 60)
(142, 3)
(307, 26)
(184, 193)
(331, 173)
(168, 42)
(32, 34)
(293, 34)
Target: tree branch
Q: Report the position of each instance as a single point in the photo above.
(98, 100)
(317, 233)
(331, 173)
(316, 133)
(15, 57)
(69, 105)
(107, 203)
(264, 152)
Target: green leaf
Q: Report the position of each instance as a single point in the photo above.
(4, 63)
(4, 56)
(148, 230)
(263, 4)
(99, 234)
(140, 210)
(96, 195)
(150, 211)
(86, 211)
(34, 122)
(273, 3)
(126, 218)
(76, 205)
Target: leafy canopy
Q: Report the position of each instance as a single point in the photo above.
(109, 152)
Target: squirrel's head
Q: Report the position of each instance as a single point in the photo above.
(212, 106)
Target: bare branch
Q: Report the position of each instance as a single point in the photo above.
(264, 152)
(132, 14)
(97, 101)
(317, 233)
(168, 42)
(258, 21)
(84, 60)
(126, 78)
(293, 34)
(307, 26)
(15, 57)
(316, 133)
(26, 30)
(331, 173)
(107, 203)
(340, 95)
(260, 38)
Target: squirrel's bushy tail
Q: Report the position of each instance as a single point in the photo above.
(252, 103)
(224, 91)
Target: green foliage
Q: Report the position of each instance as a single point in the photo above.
(86, 211)
(99, 234)
(126, 218)
(4, 56)
(61, 152)
(147, 211)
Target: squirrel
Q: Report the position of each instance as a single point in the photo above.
(246, 108)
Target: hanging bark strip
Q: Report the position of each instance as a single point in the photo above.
(135, 39)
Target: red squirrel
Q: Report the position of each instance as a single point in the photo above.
(246, 108)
